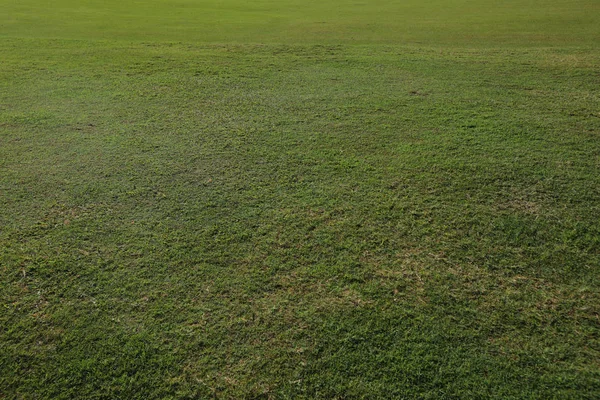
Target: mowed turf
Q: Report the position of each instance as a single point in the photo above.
(299, 199)
(448, 22)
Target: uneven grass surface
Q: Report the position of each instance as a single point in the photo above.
(301, 218)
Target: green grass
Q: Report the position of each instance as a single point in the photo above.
(299, 200)
(449, 22)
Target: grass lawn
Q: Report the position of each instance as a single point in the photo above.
(299, 199)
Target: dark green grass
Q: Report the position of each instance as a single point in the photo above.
(184, 220)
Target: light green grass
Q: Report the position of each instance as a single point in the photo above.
(455, 22)
(275, 209)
